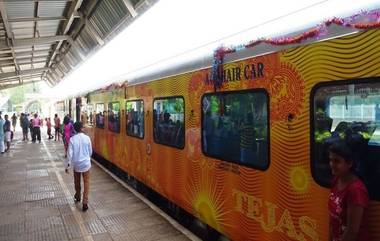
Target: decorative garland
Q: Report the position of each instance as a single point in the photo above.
(372, 20)
(113, 86)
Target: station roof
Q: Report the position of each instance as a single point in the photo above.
(44, 40)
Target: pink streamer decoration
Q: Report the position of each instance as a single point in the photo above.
(372, 20)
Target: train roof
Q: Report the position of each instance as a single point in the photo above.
(190, 61)
(173, 67)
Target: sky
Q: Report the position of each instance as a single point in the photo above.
(174, 31)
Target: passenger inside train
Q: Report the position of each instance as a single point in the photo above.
(114, 117)
(169, 121)
(235, 127)
(247, 135)
(100, 120)
(135, 118)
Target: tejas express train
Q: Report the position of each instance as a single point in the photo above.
(249, 159)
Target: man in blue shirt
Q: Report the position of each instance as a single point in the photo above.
(79, 155)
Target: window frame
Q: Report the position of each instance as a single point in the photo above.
(104, 109)
(91, 113)
(184, 120)
(313, 91)
(126, 121)
(258, 90)
(108, 119)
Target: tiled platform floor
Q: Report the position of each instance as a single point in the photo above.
(36, 202)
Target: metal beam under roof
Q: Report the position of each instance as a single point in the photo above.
(36, 19)
(59, 33)
(26, 42)
(36, 0)
(21, 73)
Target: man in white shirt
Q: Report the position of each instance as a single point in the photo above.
(79, 155)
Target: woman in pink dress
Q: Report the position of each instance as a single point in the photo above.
(348, 200)
(68, 130)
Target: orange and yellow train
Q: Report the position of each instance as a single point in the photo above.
(249, 159)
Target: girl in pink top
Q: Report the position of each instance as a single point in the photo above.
(348, 200)
(36, 129)
(67, 132)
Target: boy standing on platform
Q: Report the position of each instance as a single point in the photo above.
(57, 126)
(7, 133)
(79, 155)
(2, 148)
(14, 121)
(48, 124)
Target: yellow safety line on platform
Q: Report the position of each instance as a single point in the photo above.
(77, 216)
(174, 223)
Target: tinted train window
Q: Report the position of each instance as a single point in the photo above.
(235, 127)
(114, 117)
(135, 118)
(350, 112)
(169, 121)
(100, 115)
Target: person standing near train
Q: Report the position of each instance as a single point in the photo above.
(48, 125)
(79, 155)
(2, 147)
(348, 201)
(24, 123)
(68, 132)
(7, 133)
(14, 121)
(57, 126)
(36, 123)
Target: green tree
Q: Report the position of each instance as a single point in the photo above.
(17, 94)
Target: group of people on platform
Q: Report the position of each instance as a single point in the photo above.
(32, 123)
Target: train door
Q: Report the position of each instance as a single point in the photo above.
(138, 134)
(148, 140)
(167, 132)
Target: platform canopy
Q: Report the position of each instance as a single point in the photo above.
(44, 40)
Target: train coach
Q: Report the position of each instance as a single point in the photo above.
(248, 157)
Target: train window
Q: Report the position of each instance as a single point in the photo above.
(100, 115)
(235, 127)
(135, 118)
(350, 112)
(114, 117)
(169, 121)
(89, 114)
(86, 114)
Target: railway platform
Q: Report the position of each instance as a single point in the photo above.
(36, 202)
